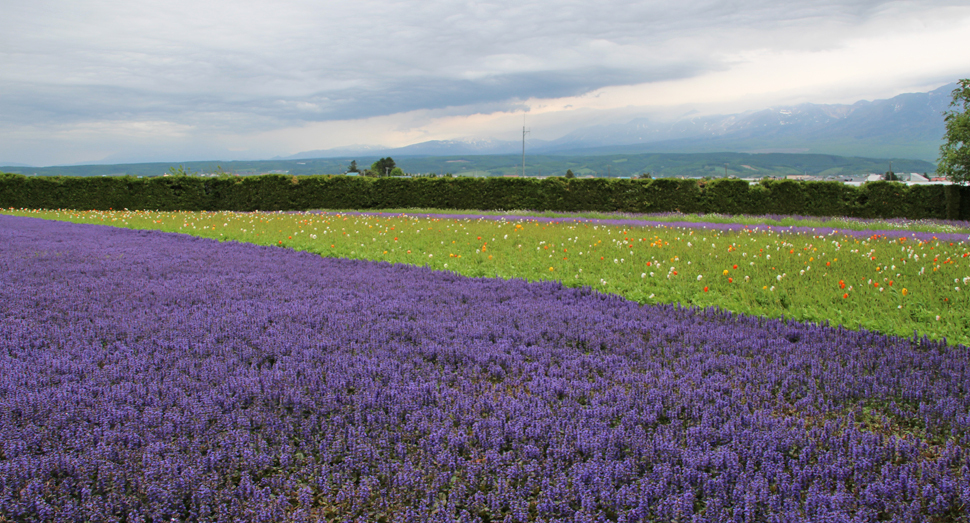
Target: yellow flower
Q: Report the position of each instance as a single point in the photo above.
(725, 272)
(905, 292)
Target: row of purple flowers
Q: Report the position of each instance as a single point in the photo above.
(652, 221)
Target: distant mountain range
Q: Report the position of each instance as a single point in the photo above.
(905, 126)
(429, 148)
(599, 165)
(830, 140)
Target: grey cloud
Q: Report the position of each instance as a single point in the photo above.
(249, 64)
(25, 104)
(491, 91)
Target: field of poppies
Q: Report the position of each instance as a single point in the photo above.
(149, 376)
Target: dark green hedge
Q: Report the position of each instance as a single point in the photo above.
(277, 192)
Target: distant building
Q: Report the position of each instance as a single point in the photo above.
(802, 177)
(913, 179)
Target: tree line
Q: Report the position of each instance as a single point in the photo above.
(379, 169)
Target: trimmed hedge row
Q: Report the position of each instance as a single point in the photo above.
(285, 193)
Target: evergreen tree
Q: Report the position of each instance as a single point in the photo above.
(382, 167)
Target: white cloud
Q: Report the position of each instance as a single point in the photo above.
(300, 74)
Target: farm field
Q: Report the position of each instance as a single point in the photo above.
(897, 278)
(147, 376)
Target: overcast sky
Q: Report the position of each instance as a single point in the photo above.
(179, 80)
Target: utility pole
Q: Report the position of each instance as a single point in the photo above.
(524, 132)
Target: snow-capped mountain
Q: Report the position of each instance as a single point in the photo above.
(912, 121)
(909, 125)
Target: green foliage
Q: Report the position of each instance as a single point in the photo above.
(353, 167)
(954, 162)
(383, 167)
(288, 193)
(727, 196)
(569, 173)
(886, 199)
(180, 171)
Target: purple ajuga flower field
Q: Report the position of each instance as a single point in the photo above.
(147, 376)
